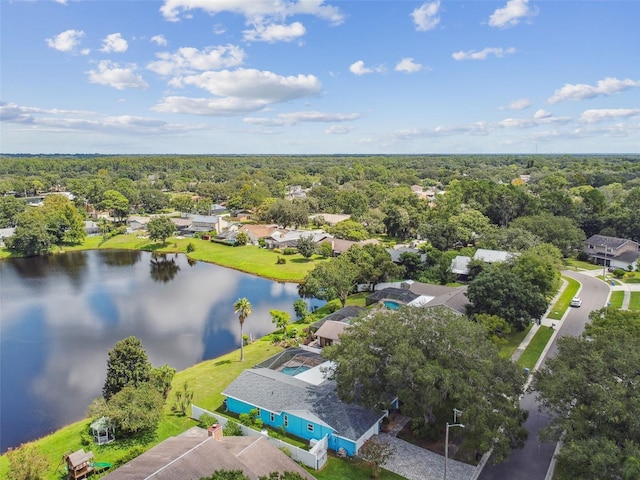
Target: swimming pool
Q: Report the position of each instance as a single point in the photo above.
(392, 305)
(294, 370)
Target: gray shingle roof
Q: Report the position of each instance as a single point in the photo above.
(339, 316)
(610, 242)
(277, 392)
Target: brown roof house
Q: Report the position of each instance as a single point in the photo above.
(612, 251)
(198, 453)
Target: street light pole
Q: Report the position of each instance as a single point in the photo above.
(456, 413)
(604, 263)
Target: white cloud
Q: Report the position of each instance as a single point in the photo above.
(358, 68)
(603, 114)
(189, 59)
(426, 16)
(159, 40)
(255, 84)
(542, 114)
(274, 33)
(256, 11)
(59, 119)
(66, 41)
(581, 91)
(114, 43)
(408, 65)
(61, 2)
(209, 106)
(293, 118)
(519, 104)
(511, 14)
(339, 130)
(239, 91)
(483, 54)
(113, 75)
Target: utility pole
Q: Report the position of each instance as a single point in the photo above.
(456, 414)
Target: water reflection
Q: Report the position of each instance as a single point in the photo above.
(163, 269)
(60, 318)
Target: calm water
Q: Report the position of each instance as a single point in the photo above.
(60, 315)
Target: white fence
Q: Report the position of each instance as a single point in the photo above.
(314, 458)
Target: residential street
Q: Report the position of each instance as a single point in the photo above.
(532, 462)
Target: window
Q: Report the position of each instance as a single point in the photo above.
(272, 417)
(286, 420)
(310, 427)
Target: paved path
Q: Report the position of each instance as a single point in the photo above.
(415, 463)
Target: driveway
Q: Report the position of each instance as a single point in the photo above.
(415, 463)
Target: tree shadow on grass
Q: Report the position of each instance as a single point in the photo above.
(301, 260)
(222, 362)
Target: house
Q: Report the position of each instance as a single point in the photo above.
(91, 227)
(294, 394)
(340, 245)
(343, 315)
(417, 294)
(136, 222)
(330, 331)
(6, 233)
(612, 251)
(284, 239)
(295, 191)
(206, 223)
(228, 237)
(197, 453)
(330, 219)
(400, 249)
(392, 297)
(182, 224)
(256, 232)
(460, 264)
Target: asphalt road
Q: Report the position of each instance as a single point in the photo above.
(532, 461)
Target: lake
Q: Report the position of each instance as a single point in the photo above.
(61, 314)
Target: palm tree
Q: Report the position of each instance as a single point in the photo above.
(243, 308)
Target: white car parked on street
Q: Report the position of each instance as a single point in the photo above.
(576, 301)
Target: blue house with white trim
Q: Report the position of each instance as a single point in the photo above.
(304, 404)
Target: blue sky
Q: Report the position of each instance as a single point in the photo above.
(319, 77)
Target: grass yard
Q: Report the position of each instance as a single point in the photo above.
(349, 469)
(532, 353)
(634, 302)
(633, 277)
(616, 298)
(514, 339)
(580, 265)
(561, 305)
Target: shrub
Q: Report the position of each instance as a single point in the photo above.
(281, 261)
(191, 247)
(206, 420)
(232, 429)
(276, 250)
(289, 251)
(582, 256)
(618, 273)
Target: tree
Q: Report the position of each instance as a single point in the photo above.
(432, 359)
(10, 207)
(325, 249)
(160, 228)
(26, 463)
(563, 232)
(540, 266)
(243, 308)
(153, 200)
(183, 399)
(591, 390)
(300, 307)
(161, 378)
(349, 230)
(127, 365)
(335, 278)
(306, 246)
(182, 203)
(133, 410)
(499, 291)
(64, 222)
(280, 319)
(241, 239)
(31, 236)
(375, 452)
(117, 205)
(372, 262)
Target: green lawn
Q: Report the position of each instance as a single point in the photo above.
(578, 264)
(532, 353)
(617, 298)
(561, 305)
(634, 302)
(634, 277)
(514, 339)
(349, 469)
